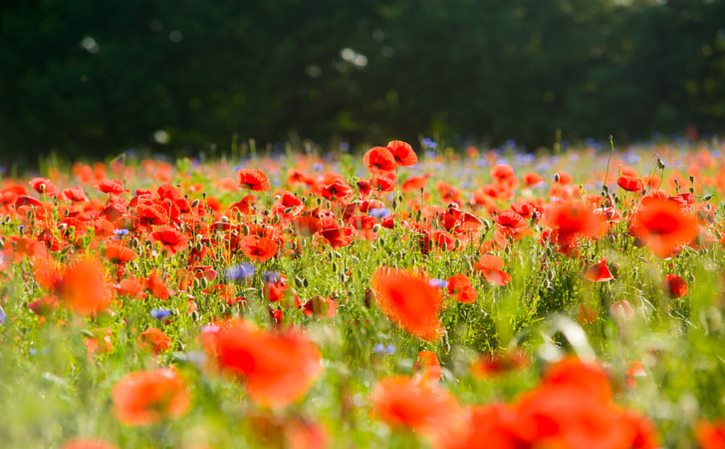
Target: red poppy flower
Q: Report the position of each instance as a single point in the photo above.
(339, 236)
(489, 365)
(404, 402)
(171, 238)
(630, 183)
(74, 194)
(277, 369)
(711, 435)
(253, 179)
(410, 300)
(491, 267)
(258, 249)
(156, 285)
(663, 226)
(571, 221)
(460, 286)
(428, 367)
(532, 179)
(87, 443)
(119, 253)
(598, 272)
(84, 288)
(379, 159)
(676, 286)
(147, 397)
(414, 183)
(110, 186)
(402, 153)
(307, 225)
(319, 306)
(155, 340)
(43, 186)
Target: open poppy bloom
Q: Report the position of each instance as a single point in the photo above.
(491, 267)
(571, 221)
(663, 226)
(428, 367)
(676, 286)
(404, 402)
(410, 300)
(277, 368)
(598, 272)
(630, 183)
(171, 238)
(258, 249)
(147, 397)
(460, 286)
(84, 288)
(402, 153)
(155, 340)
(253, 179)
(379, 159)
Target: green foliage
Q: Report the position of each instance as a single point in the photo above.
(84, 79)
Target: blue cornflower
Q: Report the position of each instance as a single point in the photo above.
(160, 314)
(390, 349)
(379, 212)
(120, 232)
(438, 283)
(379, 348)
(240, 272)
(430, 143)
(3, 317)
(270, 276)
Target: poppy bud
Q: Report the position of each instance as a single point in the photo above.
(660, 164)
(556, 177)
(195, 204)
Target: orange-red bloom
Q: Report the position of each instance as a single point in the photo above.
(410, 300)
(676, 286)
(598, 272)
(491, 267)
(84, 288)
(147, 397)
(379, 159)
(253, 179)
(460, 286)
(663, 226)
(404, 402)
(87, 443)
(258, 249)
(277, 369)
(711, 435)
(402, 153)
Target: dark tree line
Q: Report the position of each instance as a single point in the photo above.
(85, 77)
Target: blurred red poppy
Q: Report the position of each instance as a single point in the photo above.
(410, 300)
(147, 397)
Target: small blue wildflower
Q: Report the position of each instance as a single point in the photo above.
(379, 348)
(240, 272)
(160, 314)
(430, 143)
(32, 351)
(379, 212)
(438, 283)
(3, 317)
(318, 167)
(270, 276)
(120, 232)
(390, 349)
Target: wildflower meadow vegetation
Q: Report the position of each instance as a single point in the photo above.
(403, 297)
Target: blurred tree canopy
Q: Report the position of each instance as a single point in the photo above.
(91, 78)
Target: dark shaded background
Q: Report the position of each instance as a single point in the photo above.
(89, 77)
